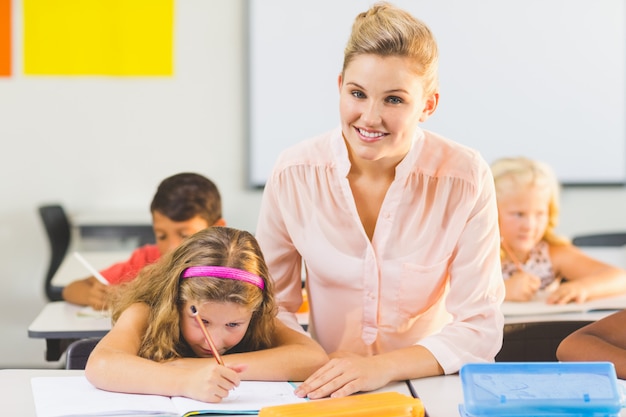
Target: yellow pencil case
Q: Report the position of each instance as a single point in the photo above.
(383, 404)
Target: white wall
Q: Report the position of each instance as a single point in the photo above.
(105, 143)
(486, 64)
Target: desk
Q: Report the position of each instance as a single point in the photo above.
(17, 394)
(60, 322)
(441, 395)
(71, 269)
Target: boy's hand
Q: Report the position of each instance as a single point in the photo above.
(98, 294)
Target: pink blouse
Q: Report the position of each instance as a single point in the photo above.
(431, 274)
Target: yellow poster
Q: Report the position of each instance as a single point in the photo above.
(98, 37)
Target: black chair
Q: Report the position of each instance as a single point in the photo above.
(535, 341)
(78, 352)
(58, 230)
(601, 239)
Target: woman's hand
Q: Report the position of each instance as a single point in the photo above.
(345, 374)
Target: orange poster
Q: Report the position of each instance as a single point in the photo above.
(5, 38)
(98, 37)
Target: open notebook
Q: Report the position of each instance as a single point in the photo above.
(75, 396)
(539, 306)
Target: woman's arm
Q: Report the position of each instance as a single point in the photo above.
(114, 365)
(587, 278)
(281, 256)
(347, 373)
(603, 340)
(294, 357)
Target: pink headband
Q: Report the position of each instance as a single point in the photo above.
(223, 272)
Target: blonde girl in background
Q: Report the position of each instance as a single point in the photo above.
(533, 256)
(156, 346)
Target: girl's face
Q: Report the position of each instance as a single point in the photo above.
(381, 102)
(226, 323)
(170, 234)
(523, 216)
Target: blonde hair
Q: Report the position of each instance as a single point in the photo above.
(160, 287)
(510, 174)
(386, 30)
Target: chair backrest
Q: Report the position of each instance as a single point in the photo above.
(58, 230)
(601, 239)
(535, 341)
(78, 352)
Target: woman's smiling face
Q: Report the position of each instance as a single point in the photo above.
(381, 102)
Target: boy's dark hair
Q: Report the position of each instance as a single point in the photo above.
(186, 195)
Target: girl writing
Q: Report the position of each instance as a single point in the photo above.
(156, 345)
(534, 257)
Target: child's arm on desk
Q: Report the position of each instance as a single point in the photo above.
(603, 340)
(294, 356)
(114, 365)
(587, 278)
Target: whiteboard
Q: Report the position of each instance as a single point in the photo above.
(539, 78)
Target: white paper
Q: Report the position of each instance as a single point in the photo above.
(75, 396)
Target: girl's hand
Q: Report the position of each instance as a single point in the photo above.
(210, 382)
(345, 374)
(567, 292)
(521, 286)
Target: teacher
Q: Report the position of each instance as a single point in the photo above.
(396, 227)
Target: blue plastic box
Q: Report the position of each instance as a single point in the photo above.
(540, 389)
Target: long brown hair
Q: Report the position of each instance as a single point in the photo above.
(160, 287)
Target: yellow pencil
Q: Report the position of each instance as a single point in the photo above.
(207, 336)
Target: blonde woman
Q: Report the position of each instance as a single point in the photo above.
(534, 257)
(156, 345)
(397, 226)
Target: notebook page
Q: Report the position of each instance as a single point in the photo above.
(75, 396)
(539, 306)
(248, 398)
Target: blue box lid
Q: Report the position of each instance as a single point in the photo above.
(515, 389)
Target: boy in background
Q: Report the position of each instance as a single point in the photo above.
(184, 204)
